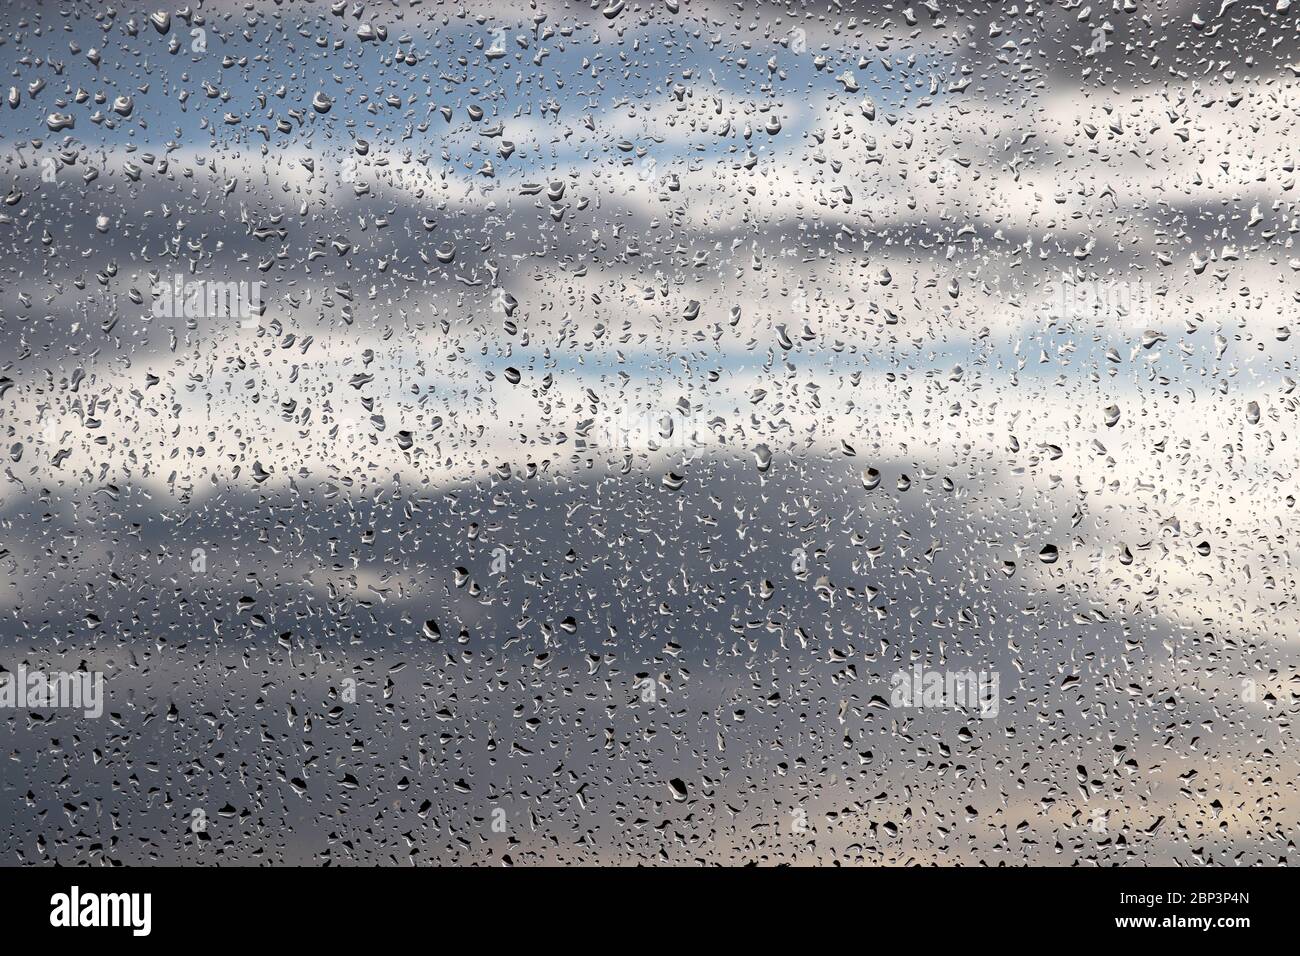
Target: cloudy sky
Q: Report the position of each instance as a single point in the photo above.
(616, 398)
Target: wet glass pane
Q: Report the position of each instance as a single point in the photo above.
(656, 432)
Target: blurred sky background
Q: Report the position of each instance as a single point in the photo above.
(755, 351)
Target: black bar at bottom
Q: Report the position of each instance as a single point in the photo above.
(335, 906)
